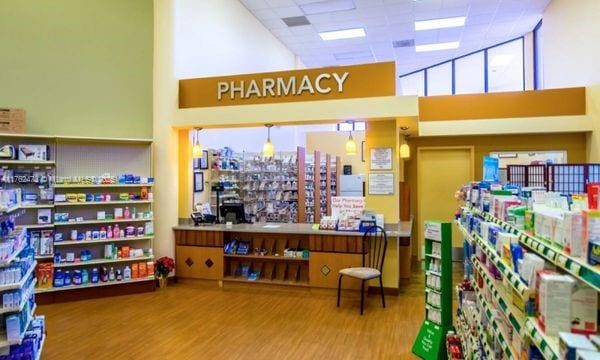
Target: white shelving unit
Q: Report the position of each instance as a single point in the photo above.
(93, 285)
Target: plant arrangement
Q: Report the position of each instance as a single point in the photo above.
(163, 266)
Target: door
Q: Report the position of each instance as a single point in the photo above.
(440, 172)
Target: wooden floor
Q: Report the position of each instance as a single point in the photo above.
(199, 320)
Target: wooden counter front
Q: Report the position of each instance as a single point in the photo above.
(199, 254)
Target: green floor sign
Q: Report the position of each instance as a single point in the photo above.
(429, 342)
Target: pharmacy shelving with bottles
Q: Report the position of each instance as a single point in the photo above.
(531, 282)
(22, 333)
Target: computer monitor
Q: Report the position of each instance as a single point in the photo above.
(233, 212)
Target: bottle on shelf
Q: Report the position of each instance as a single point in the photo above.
(111, 274)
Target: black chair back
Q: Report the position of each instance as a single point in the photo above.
(374, 247)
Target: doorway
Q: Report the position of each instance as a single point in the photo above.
(440, 172)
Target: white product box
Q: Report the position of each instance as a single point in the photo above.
(569, 343)
(101, 215)
(573, 234)
(44, 216)
(584, 304)
(33, 152)
(118, 213)
(555, 302)
(587, 355)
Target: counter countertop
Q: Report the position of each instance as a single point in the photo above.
(402, 229)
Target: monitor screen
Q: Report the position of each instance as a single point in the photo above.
(236, 210)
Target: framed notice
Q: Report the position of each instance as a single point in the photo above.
(381, 159)
(198, 182)
(381, 184)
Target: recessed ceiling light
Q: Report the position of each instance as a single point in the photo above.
(437, 46)
(440, 23)
(323, 7)
(501, 60)
(342, 34)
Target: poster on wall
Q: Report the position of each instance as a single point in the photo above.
(198, 181)
(381, 159)
(381, 184)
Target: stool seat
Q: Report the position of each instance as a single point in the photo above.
(363, 273)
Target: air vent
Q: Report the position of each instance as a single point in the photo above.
(403, 43)
(296, 21)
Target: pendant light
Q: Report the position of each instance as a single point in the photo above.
(197, 147)
(404, 148)
(350, 146)
(268, 148)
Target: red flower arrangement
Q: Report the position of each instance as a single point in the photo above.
(163, 266)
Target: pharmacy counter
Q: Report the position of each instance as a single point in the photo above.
(200, 253)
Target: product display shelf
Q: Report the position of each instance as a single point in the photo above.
(27, 162)
(102, 261)
(5, 343)
(101, 186)
(487, 349)
(44, 257)
(39, 353)
(496, 327)
(38, 206)
(93, 285)
(546, 344)
(515, 280)
(108, 221)
(21, 283)
(15, 253)
(577, 267)
(102, 241)
(10, 209)
(468, 338)
(24, 301)
(266, 257)
(39, 226)
(99, 203)
(266, 281)
(515, 316)
(467, 236)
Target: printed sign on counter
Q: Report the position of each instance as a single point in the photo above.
(381, 159)
(433, 231)
(381, 184)
(347, 204)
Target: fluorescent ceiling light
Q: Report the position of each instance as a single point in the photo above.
(323, 7)
(437, 46)
(501, 60)
(440, 23)
(342, 34)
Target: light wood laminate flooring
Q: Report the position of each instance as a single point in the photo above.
(198, 320)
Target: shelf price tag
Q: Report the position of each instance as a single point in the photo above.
(562, 261)
(575, 268)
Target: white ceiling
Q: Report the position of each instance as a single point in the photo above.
(488, 22)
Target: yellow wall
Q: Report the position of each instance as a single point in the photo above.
(332, 143)
(573, 143)
(593, 111)
(383, 134)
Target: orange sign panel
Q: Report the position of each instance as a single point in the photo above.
(342, 82)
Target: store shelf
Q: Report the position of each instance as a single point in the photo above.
(515, 280)
(496, 328)
(39, 353)
(10, 209)
(27, 162)
(263, 281)
(111, 240)
(92, 222)
(24, 301)
(515, 316)
(577, 267)
(103, 261)
(546, 344)
(433, 256)
(21, 283)
(14, 255)
(464, 231)
(5, 343)
(98, 203)
(38, 206)
(92, 285)
(44, 257)
(38, 226)
(265, 257)
(86, 186)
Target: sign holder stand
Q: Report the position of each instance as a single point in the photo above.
(431, 340)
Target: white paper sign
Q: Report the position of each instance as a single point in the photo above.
(347, 204)
(381, 184)
(381, 159)
(433, 231)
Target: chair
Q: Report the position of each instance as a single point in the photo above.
(374, 243)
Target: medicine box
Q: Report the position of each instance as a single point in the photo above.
(584, 304)
(33, 152)
(554, 296)
(569, 343)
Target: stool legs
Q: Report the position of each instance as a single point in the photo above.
(339, 290)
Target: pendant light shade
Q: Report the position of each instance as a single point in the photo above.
(404, 148)
(268, 148)
(404, 151)
(197, 147)
(350, 146)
